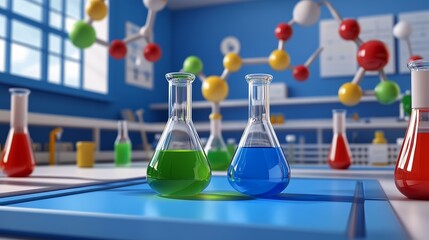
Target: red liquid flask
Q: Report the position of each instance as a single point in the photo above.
(412, 167)
(339, 155)
(17, 159)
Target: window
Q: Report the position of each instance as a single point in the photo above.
(35, 50)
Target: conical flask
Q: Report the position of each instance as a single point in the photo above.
(179, 166)
(259, 166)
(339, 156)
(412, 167)
(216, 149)
(17, 157)
(123, 146)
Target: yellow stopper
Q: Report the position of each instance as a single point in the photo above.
(279, 60)
(350, 94)
(214, 89)
(215, 116)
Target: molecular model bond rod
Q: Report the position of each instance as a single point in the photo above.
(215, 107)
(150, 19)
(102, 42)
(291, 22)
(225, 74)
(382, 75)
(202, 76)
(408, 42)
(260, 60)
(133, 38)
(358, 76)
(281, 45)
(332, 10)
(313, 57)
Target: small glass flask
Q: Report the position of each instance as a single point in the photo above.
(259, 166)
(339, 156)
(123, 146)
(179, 166)
(412, 167)
(17, 157)
(216, 149)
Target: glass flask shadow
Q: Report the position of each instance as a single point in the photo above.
(179, 166)
(259, 166)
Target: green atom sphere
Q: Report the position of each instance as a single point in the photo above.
(193, 64)
(387, 92)
(406, 104)
(82, 35)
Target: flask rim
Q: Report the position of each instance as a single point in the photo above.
(180, 77)
(259, 78)
(19, 91)
(419, 65)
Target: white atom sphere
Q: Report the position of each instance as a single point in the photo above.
(145, 32)
(155, 5)
(402, 30)
(306, 12)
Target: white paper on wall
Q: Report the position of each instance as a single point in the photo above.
(419, 37)
(339, 56)
(139, 71)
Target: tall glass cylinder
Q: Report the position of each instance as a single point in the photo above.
(179, 166)
(259, 166)
(17, 156)
(412, 167)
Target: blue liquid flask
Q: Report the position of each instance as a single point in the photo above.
(259, 166)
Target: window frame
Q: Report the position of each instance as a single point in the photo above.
(43, 83)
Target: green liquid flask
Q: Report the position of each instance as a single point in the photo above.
(179, 166)
(122, 146)
(216, 150)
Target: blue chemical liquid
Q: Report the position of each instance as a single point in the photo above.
(259, 171)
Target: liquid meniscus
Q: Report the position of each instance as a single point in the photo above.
(178, 172)
(259, 171)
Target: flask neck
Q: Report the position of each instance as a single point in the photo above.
(180, 101)
(339, 121)
(122, 131)
(19, 110)
(259, 101)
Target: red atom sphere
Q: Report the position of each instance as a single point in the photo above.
(118, 49)
(283, 31)
(301, 73)
(349, 29)
(372, 55)
(414, 58)
(152, 52)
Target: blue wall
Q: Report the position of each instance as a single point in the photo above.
(120, 96)
(199, 31)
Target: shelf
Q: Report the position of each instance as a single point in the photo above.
(273, 102)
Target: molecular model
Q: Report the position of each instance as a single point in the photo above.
(83, 34)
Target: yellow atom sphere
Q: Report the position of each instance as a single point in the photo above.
(279, 60)
(232, 62)
(96, 10)
(350, 94)
(214, 89)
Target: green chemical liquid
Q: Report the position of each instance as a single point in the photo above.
(178, 172)
(122, 154)
(219, 159)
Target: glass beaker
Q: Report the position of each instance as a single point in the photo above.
(17, 156)
(259, 166)
(339, 154)
(179, 166)
(216, 150)
(123, 146)
(412, 167)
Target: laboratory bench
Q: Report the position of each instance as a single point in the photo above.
(106, 202)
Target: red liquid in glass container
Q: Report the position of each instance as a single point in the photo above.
(339, 155)
(17, 158)
(412, 167)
